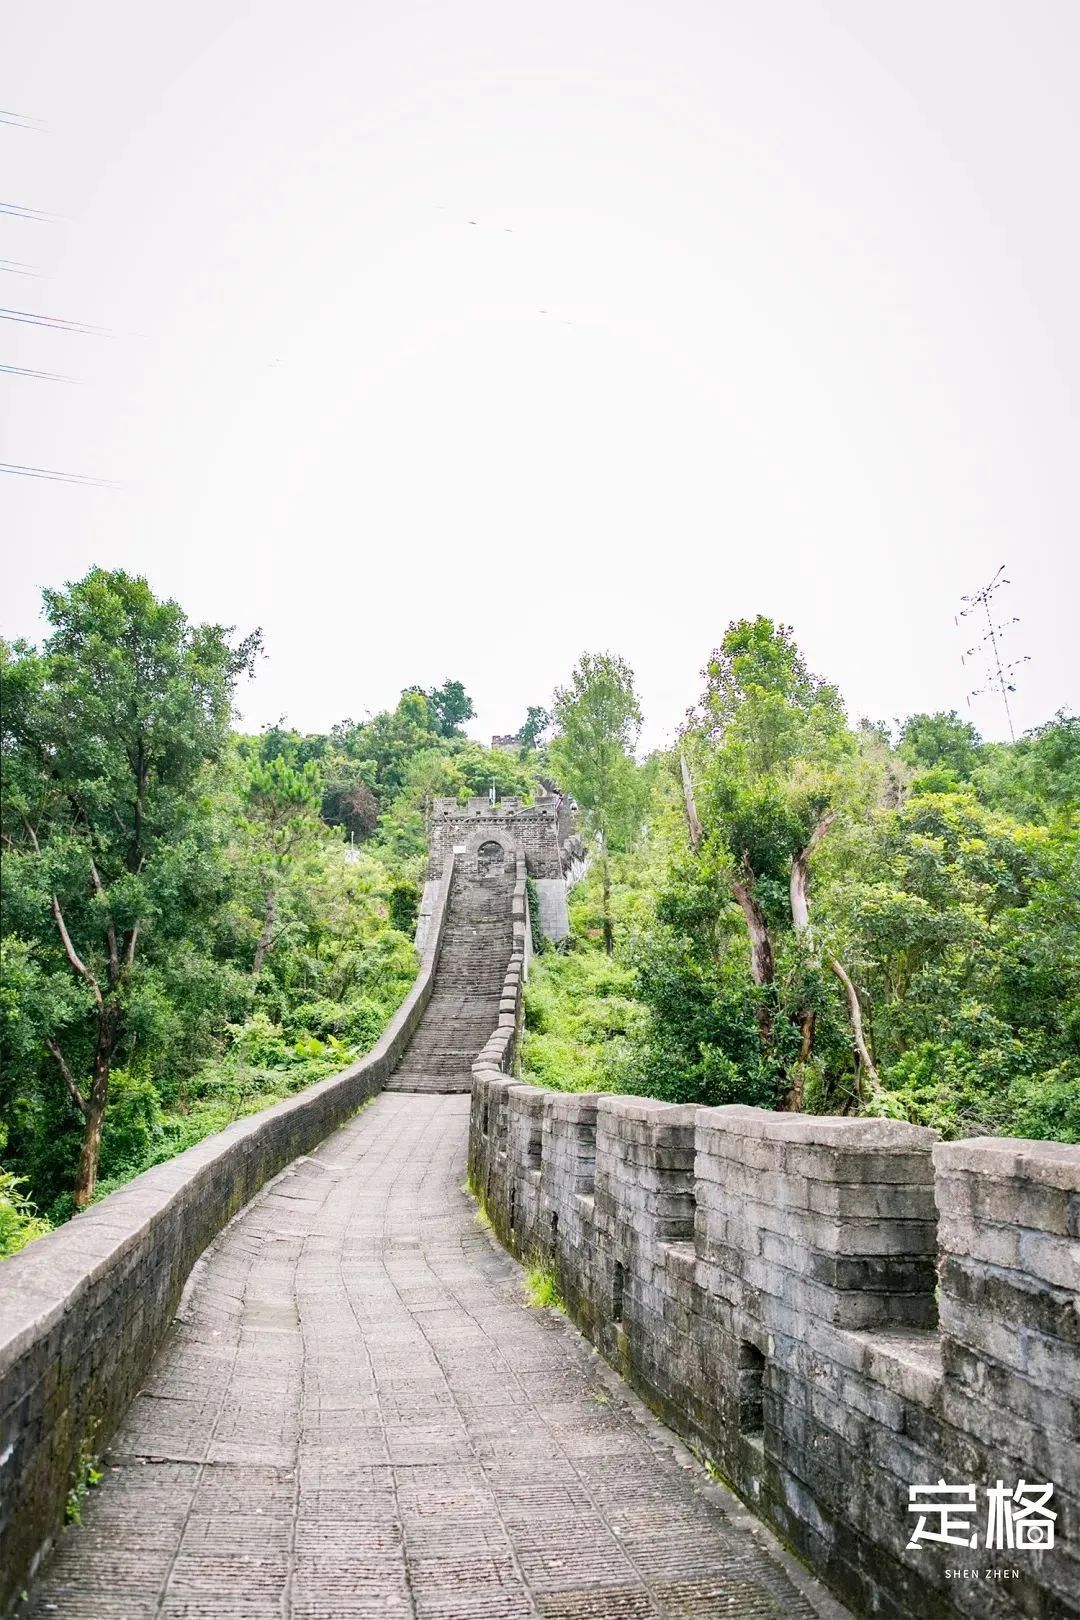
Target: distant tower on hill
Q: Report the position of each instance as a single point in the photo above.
(486, 839)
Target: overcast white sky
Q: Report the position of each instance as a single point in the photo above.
(455, 338)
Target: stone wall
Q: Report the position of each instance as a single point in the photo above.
(501, 1047)
(529, 831)
(829, 1310)
(84, 1309)
(554, 912)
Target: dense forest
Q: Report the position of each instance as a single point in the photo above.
(784, 908)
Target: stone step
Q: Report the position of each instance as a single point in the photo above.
(478, 938)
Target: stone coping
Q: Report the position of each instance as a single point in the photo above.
(84, 1308)
(831, 1310)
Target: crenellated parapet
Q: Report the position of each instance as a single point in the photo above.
(482, 836)
(529, 831)
(831, 1310)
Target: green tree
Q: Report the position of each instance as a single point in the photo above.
(281, 819)
(963, 925)
(391, 738)
(107, 734)
(599, 720)
(777, 765)
(450, 707)
(1038, 777)
(940, 740)
(537, 721)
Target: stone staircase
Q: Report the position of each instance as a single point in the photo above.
(464, 1005)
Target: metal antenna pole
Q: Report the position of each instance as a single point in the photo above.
(997, 665)
(997, 674)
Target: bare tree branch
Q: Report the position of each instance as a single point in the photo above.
(855, 1015)
(800, 877)
(761, 952)
(69, 950)
(72, 954)
(692, 821)
(77, 1097)
(110, 930)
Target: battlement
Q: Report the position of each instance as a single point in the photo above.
(831, 1310)
(482, 836)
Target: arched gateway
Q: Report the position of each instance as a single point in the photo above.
(490, 857)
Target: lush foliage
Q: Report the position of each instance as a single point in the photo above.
(598, 720)
(784, 909)
(816, 917)
(195, 923)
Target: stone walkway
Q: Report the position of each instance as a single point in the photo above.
(356, 1415)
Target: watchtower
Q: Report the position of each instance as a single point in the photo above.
(485, 837)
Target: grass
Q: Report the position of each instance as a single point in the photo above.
(580, 1015)
(471, 1190)
(541, 1290)
(86, 1476)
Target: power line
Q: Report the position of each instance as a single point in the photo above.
(15, 267)
(20, 212)
(16, 469)
(46, 376)
(29, 317)
(21, 121)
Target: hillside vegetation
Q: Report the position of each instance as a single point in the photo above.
(813, 914)
(196, 923)
(785, 909)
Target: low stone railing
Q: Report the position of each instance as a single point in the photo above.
(501, 1046)
(84, 1309)
(830, 1310)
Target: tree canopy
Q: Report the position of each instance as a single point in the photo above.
(811, 917)
(195, 921)
(598, 721)
(782, 909)
(107, 734)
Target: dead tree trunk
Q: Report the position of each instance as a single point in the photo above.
(799, 884)
(855, 1017)
(799, 894)
(692, 821)
(605, 873)
(800, 917)
(762, 960)
(267, 932)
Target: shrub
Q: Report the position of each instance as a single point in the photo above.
(404, 907)
(134, 1124)
(19, 1221)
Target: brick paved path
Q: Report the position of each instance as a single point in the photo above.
(355, 1415)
